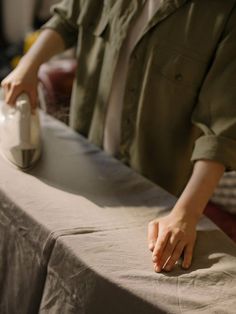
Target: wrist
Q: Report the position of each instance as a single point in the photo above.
(29, 65)
(187, 212)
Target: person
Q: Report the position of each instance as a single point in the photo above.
(154, 88)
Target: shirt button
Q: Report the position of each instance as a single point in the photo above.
(127, 121)
(178, 77)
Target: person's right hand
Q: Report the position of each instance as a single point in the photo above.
(20, 80)
(171, 236)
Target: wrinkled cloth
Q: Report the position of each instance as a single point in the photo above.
(73, 239)
(70, 189)
(111, 272)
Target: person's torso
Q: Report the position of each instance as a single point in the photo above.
(166, 70)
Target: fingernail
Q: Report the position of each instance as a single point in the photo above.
(186, 266)
(168, 268)
(157, 269)
(151, 246)
(154, 258)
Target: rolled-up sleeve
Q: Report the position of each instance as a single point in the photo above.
(64, 21)
(215, 113)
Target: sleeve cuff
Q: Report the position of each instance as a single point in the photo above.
(216, 148)
(67, 32)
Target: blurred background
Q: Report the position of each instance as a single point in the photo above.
(18, 21)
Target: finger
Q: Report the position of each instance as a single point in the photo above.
(3, 82)
(167, 251)
(174, 256)
(159, 248)
(33, 99)
(152, 234)
(5, 87)
(188, 255)
(10, 99)
(12, 94)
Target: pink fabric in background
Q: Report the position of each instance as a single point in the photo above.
(223, 219)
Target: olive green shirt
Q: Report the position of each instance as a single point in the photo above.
(180, 96)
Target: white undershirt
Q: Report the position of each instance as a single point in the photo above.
(115, 102)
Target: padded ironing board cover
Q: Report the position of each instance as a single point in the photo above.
(73, 239)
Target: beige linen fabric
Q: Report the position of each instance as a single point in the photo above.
(73, 239)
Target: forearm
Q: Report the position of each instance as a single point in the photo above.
(175, 233)
(205, 177)
(48, 44)
(24, 78)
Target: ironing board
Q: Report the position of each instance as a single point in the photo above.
(73, 239)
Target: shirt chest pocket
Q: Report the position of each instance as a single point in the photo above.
(179, 68)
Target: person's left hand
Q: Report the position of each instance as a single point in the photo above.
(169, 237)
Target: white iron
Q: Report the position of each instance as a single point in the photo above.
(20, 133)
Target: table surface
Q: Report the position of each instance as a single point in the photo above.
(80, 218)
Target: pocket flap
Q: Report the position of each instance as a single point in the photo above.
(100, 27)
(95, 21)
